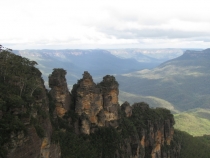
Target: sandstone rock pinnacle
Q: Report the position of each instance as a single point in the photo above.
(59, 91)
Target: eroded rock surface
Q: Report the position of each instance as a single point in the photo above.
(59, 92)
(97, 105)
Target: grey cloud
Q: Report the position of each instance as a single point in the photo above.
(154, 33)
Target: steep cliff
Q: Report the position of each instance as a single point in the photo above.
(25, 127)
(154, 128)
(59, 92)
(97, 105)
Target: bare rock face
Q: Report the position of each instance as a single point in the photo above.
(110, 94)
(97, 105)
(88, 102)
(59, 92)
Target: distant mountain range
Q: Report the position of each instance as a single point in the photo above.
(148, 55)
(98, 62)
(183, 81)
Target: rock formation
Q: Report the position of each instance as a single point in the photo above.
(155, 134)
(59, 91)
(97, 105)
(111, 106)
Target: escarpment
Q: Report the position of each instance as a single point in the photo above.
(25, 126)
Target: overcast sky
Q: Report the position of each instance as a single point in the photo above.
(60, 24)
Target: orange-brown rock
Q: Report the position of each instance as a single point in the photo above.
(110, 91)
(59, 92)
(98, 103)
(88, 102)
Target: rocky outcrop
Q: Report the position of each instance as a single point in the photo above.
(59, 92)
(110, 92)
(156, 134)
(97, 105)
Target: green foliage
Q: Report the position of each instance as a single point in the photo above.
(58, 72)
(128, 128)
(19, 79)
(39, 130)
(151, 100)
(106, 141)
(108, 81)
(75, 146)
(141, 114)
(196, 121)
(183, 83)
(192, 147)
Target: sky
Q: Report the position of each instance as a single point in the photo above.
(104, 24)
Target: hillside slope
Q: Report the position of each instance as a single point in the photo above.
(182, 81)
(152, 101)
(195, 122)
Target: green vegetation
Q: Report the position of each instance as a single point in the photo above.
(106, 142)
(152, 101)
(182, 82)
(192, 147)
(20, 84)
(195, 122)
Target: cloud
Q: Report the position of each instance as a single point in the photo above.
(95, 24)
(154, 33)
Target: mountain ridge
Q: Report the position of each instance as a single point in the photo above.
(181, 81)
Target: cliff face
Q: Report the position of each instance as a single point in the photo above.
(154, 134)
(96, 105)
(59, 92)
(35, 141)
(25, 126)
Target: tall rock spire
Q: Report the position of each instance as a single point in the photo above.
(59, 91)
(97, 105)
